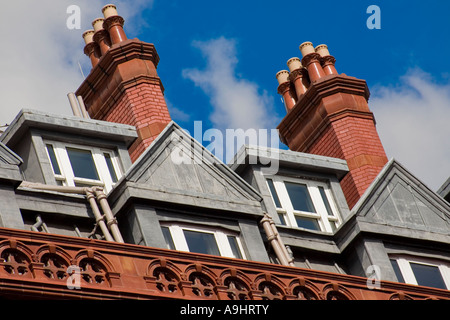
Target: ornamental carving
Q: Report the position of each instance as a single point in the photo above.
(282, 88)
(202, 285)
(54, 266)
(92, 271)
(335, 291)
(113, 21)
(327, 60)
(166, 280)
(236, 289)
(270, 291)
(15, 262)
(310, 58)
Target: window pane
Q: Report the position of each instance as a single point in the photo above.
(397, 271)
(300, 198)
(168, 238)
(429, 276)
(201, 242)
(234, 247)
(82, 163)
(51, 153)
(333, 225)
(307, 223)
(112, 172)
(325, 201)
(274, 193)
(282, 219)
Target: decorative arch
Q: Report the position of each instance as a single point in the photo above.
(271, 287)
(334, 291)
(400, 296)
(164, 276)
(237, 284)
(55, 261)
(202, 281)
(94, 267)
(15, 258)
(304, 289)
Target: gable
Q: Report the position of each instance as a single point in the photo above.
(398, 199)
(176, 163)
(9, 166)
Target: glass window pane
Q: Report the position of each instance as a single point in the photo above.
(201, 242)
(429, 276)
(333, 225)
(51, 153)
(282, 219)
(325, 201)
(83, 165)
(274, 193)
(397, 271)
(112, 172)
(168, 238)
(300, 198)
(307, 223)
(234, 247)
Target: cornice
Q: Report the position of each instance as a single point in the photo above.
(117, 54)
(307, 105)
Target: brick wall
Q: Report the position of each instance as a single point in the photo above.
(144, 107)
(124, 87)
(355, 140)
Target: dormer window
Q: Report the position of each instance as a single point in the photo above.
(202, 240)
(422, 271)
(76, 165)
(304, 203)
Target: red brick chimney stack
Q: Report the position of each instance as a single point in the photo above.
(285, 89)
(91, 49)
(327, 60)
(298, 76)
(114, 24)
(311, 60)
(123, 85)
(101, 36)
(331, 117)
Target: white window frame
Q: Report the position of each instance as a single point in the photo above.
(322, 216)
(408, 274)
(221, 237)
(67, 177)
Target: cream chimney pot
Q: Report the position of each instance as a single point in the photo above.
(88, 36)
(306, 48)
(109, 10)
(322, 49)
(294, 64)
(98, 24)
(282, 76)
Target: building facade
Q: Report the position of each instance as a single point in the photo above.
(118, 201)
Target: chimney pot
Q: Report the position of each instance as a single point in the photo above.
(306, 48)
(88, 36)
(294, 64)
(322, 49)
(282, 76)
(98, 24)
(109, 10)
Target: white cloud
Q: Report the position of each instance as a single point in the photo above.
(237, 103)
(39, 60)
(413, 124)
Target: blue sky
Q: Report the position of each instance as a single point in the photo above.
(219, 60)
